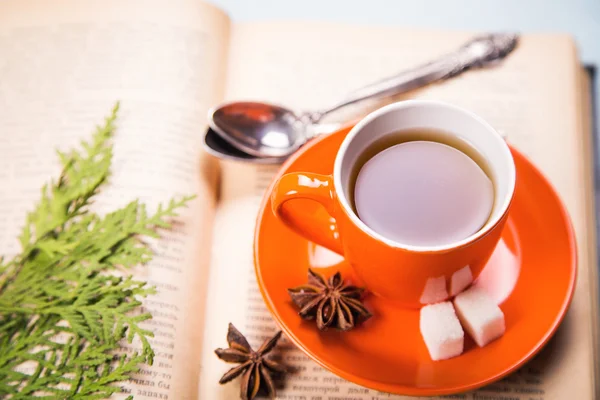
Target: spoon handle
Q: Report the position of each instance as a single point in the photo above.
(479, 52)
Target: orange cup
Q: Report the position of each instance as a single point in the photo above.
(409, 275)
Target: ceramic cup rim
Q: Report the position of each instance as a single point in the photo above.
(403, 105)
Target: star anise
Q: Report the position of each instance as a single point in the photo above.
(255, 366)
(330, 302)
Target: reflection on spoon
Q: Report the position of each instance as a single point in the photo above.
(218, 147)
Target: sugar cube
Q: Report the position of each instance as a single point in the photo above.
(460, 280)
(441, 331)
(434, 290)
(480, 316)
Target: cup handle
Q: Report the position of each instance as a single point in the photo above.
(311, 221)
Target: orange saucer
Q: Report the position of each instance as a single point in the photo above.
(531, 274)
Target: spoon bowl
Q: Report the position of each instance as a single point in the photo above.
(259, 129)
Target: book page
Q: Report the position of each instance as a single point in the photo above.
(533, 98)
(63, 65)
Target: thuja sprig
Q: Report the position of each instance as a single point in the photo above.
(63, 313)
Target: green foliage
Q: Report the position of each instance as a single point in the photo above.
(61, 309)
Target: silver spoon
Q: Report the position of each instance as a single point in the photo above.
(270, 131)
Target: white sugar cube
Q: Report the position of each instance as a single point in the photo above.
(461, 279)
(441, 331)
(480, 316)
(434, 291)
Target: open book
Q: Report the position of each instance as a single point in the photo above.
(64, 64)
